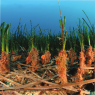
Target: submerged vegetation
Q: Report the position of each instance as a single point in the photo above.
(55, 57)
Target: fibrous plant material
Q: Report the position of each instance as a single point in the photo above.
(4, 63)
(33, 58)
(90, 56)
(46, 58)
(16, 57)
(72, 55)
(80, 71)
(61, 62)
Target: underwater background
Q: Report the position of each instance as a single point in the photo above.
(46, 13)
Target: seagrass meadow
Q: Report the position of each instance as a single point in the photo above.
(47, 63)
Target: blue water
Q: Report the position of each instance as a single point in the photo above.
(46, 13)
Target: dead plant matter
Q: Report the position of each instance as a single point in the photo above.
(61, 62)
(33, 58)
(46, 58)
(4, 63)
